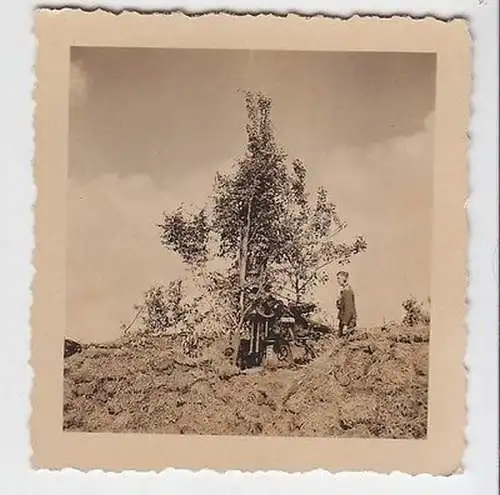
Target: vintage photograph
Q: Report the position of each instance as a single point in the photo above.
(251, 243)
(249, 240)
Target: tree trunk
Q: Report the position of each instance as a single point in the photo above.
(297, 290)
(243, 262)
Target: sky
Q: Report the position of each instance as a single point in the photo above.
(150, 127)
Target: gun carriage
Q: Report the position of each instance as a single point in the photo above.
(275, 325)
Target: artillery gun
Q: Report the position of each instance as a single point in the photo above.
(275, 324)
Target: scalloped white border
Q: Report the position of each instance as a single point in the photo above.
(17, 194)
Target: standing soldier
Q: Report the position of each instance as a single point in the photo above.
(346, 305)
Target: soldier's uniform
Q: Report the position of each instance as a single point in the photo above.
(346, 306)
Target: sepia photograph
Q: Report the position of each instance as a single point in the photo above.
(249, 241)
(251, 249)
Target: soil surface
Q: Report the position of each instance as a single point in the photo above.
(372, 385)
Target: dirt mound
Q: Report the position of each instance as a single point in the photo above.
(374, 385)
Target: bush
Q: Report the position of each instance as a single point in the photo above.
(168, 310)
(162, 307)
(415, 313)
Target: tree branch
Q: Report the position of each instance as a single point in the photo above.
(314, 272)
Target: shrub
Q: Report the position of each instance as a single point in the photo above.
(168, 310)
(162, 307)
(415, 313)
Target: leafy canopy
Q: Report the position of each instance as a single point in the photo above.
(262, 220)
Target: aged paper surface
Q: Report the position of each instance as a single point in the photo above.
(133, 109)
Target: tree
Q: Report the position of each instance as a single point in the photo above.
(250, 204)
(261, 221)
(313, 225)
(187, 235)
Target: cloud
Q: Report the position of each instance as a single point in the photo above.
(79, 83)
(384, 192)
(114, 252)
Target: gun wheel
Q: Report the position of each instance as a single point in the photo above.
(283, 352)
